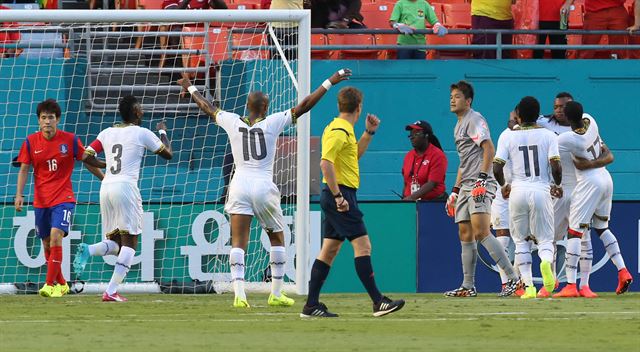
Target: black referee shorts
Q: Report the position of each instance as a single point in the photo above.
(340, 226)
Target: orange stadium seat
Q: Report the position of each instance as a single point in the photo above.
(437, 7)
(217, 46)
(576, 17)
(151, 4)
(354, 39)
(449, 39)
(387, 39)
(319, 40)
(376, 15)
(573, 40)
(249, 39)
(457, 15)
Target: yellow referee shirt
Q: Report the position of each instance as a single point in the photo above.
(496, 9)
(340, 146)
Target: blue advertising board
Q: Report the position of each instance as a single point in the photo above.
(438, 258)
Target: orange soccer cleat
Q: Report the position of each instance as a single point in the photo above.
(543, 293)
(624, 280)
(570, 290)
(587, 293)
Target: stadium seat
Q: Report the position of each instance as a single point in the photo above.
(387, 39)
(437, 7)
(457, 15)
(354, 39)
(193, 43)
(151, 4)
(320, 40)
(249, 39)
(376, 15)
(243, 6)
(453, 1)
(450, 39)
(573, 40)
(576, 17)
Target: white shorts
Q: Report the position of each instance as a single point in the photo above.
(561, 207)
(531, 213)
(121, 207)
(256, 196)
(500, 212)
(591, 200)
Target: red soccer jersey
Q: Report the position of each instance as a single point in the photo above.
(550, 10)
(599, 5)
(430, 166)
(52, 163)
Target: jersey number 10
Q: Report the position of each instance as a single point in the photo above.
(527, 161)
(249, 139)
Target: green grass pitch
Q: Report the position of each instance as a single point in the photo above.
(428, 322)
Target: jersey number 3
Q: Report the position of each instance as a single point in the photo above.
(527, 161)
(250, 139)
(117, 159)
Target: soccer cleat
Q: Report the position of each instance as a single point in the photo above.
(240, 303)
(548, 279)
(282, 301)
(113, 298)
(81, 258)
(510, 287)
(46, 291)
(60, 290)
(386, 306)
(529, 292)
(624, 280)
(568, 291)
(318, 311)
(587, 293)
(543, 293)
(462, 292)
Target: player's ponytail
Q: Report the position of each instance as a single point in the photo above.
(434, 140)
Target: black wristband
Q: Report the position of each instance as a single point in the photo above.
(483, 175)
(371, 133)
(455, 190)
(338, 195)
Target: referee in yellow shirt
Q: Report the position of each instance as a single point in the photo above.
(342, 217)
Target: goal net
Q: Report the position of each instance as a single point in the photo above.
(87, 61)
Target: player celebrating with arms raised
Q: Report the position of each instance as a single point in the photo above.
(52, 153)
(475, 186)
(120, 201)
(530, 206)
(252, 191)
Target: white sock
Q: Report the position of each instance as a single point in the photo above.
(545, 251)
(586, 261)
(504, 241)
(236, 261)
(277, 260)
(123, 264)
(571, 259)
(613, 250)
(106, 247)
(523, 258)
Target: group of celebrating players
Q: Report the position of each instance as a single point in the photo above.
(551, 170)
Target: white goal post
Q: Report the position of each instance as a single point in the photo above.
(176, 197)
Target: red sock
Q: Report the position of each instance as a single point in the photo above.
(54, 271)
(46, 255)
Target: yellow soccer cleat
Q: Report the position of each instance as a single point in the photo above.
(282, 301)
(548, 279)
(61, 289)
(47, 291)
(240, 303)
(529, 292)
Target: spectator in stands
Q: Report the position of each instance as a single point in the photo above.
(549, 18)
(425, 165)
(409, 15)
(634, 21)
(7, 37)
(491, 14)
(604, 15)
(338, 14)
(286, 32)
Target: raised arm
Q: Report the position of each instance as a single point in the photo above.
(371, 126)
(312, 99)
(200, 100)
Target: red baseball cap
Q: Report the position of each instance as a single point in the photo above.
(420, 125)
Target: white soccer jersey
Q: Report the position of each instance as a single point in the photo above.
(587, 145)
(254, 147)
(124, 147)
(529, 151)
(568, 168)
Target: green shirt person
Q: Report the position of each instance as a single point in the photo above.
(409, 15)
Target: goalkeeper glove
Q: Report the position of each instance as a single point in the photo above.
(439, 29)
(450, 207)
(479, 190)
(403, 28)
